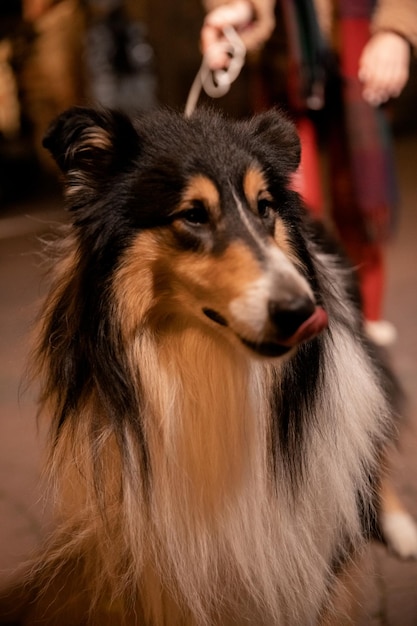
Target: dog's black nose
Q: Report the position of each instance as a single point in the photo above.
(288, 316)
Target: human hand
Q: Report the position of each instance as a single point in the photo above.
(384, 67)
(237, 14)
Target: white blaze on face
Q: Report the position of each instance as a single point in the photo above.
(259, 241)
(251, 309)
(280, 282)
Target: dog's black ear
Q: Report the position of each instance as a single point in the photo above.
(98, 142)
(277, 140)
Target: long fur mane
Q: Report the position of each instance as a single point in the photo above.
(205, 507)
(193, 482)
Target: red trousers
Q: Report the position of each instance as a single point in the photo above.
(367, 258)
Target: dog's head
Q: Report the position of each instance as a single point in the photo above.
(192, 219)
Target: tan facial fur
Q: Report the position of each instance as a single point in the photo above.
(202, 189)
(256, 188)
(157, 279)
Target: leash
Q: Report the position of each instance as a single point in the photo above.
(216, 83)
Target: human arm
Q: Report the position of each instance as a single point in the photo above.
(384, 65)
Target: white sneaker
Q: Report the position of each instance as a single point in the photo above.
(381, 332)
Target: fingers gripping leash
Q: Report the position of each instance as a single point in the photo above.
(216, 83)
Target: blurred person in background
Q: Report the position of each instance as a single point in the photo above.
(40, 76)
(44, 51)
(55, 54)
(348, 58)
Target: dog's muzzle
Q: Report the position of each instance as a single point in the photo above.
(308, 329)
(295, 324)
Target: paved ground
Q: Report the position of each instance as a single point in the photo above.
(392, 596)
(391, 587)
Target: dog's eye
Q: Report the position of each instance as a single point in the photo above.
(196, 214)
(265, 207)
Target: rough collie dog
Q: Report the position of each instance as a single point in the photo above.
(218, 416)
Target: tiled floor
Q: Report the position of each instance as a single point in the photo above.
(391, 588)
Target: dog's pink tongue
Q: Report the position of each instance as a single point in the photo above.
(309, 329)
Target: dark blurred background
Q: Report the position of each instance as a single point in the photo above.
(129, 54)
